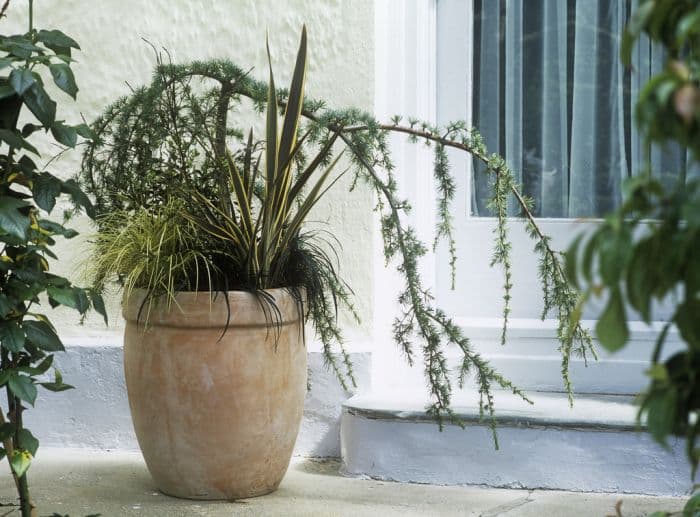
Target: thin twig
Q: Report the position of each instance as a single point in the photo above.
(7, 442)
(4, 8)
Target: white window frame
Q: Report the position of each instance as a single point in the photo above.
(406, 82)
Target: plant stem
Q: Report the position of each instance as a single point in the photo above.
(15, 411)
(484, 159)
(31, 15)
(25, 502)
(7, 442)
(9, 450)
(4, 8)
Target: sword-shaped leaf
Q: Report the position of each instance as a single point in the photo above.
(295, 102)
(311, 199)
(318, 160)
(292, 114)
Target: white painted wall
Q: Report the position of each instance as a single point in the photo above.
(111, 33)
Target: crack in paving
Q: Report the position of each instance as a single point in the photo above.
(507, 507)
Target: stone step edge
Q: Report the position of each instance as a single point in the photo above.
(621, 412)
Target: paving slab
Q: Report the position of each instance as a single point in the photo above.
(79, 482)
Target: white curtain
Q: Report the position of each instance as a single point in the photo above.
(552, 96)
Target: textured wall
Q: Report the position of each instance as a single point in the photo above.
(110, 32)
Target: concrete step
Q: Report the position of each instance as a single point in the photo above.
(593, 447)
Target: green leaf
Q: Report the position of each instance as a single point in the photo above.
(5, 306)
(64, 79)
(64, 296)
(638, 20)
(27, 165)
(692, 506)
(11, 138)
(83, 302)
(99, 305)
(588, 256)
(40, 104)
(614, 252)
(27, 441)
(55, 387)
(63, 134)
(54, 37)
(43, 336)
(570, 260)
(39, 369)
(14, 139)
(661, 413)
(58, 384)
(20, 461)
(657, 372)
(12, 336)
(29, 129)
(295, 101)
(640, 279)
(23, 387)
(688, 25)
(12, 221)
(46, 188)
(85, 131)
(687, 319)
(21, 79)
(21, 47)
(57, 229)
(612, 326)
(71, 188)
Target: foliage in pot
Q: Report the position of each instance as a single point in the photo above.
(141, 171)
(28, 193)
(244, 233)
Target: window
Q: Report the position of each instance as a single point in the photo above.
(550, 94)
(476, 60)
(543, 82)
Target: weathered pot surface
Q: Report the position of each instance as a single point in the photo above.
(216, 401)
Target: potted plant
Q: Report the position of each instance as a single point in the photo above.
(184, 220)
(217, 282)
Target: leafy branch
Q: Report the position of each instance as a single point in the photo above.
(112, 165)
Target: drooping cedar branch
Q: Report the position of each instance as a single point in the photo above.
(420, 324)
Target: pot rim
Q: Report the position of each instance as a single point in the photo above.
(209, 309)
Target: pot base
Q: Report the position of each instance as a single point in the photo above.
(220, 497)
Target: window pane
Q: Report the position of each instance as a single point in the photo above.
(551, 95)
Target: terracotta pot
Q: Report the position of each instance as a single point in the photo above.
(216, 413)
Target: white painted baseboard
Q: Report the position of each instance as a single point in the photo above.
(96, 414)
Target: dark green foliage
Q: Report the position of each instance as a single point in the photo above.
(143, 164)
(27, 194)
(648, 251)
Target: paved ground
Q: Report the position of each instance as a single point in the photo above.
(80, 482)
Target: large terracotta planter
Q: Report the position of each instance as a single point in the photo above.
(216, 413)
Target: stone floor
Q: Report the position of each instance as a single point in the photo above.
(80, 482)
